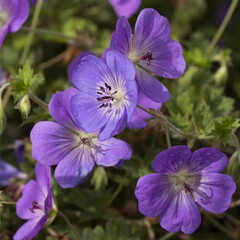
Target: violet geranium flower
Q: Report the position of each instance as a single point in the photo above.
(36, 204)
(9, 172)
(108, 94)
(74, 152)
(139, 117)
(125, 7)
(151, 50)
(184, 179)
(13, 13)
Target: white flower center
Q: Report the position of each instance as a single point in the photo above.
(3, 17)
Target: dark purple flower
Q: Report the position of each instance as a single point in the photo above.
(184, 179)
(19, 148)
(9, 172)
(76, 61)
(13, 13)
(108, 94)
(151, 50)
(125, 7)
(74, 152)
(139, 117)
(36, 204)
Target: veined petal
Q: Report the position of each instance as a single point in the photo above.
(114, 125)
(91, 74)
(108, 153)
(150, 25)
(75, 168)
(182, 214)
(121, 67)
(18, 14)
(167, 60)
(172, 160)
(31, 192)
(60, 110)
(214, 192)
(208, 160)
(125, 8)
(154, 193)
(51, 142)
(43, 177)
(151, 87)
(139, 116)
(87, 112)
(121, 39)
(30, 229)
(76, 61)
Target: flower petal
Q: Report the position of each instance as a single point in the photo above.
(154, 193)
(168, 61)
(121, 67)
(87, 112)
(76, 61)
(108, 153)
(19, 13)
(172, 160)
(30, 229)
(125, 8)
(150, 26)
(51, 142)
(151, 87)
(31, 191)
(59, 108)
(43, 177)
(208, 160)
(139, 116)
(121, 39)
(91, 74)
(214, 192)
(75, 168)
(183, 214)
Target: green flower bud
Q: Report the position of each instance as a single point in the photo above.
(24, 106)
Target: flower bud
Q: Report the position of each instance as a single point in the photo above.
(24, 106)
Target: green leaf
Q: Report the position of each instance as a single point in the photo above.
(224, 126)
(23, 81)
(181, 122)
(203, 120)
(117, 230)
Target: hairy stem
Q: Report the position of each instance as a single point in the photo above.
(37, 100)
(223, 26)
(31, 33)
(69, 224)
(167, 236)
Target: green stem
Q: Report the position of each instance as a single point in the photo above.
(69, 224)
(7, 203)
(37, 100)
(48, 32)
(219, 226)
(31, 34)
(223, 26)
(167, 136)
(167, 236)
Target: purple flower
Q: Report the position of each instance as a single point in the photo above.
(19, 148)
(76, 61)
(151, 50)
(9, 172)
(13, 13)
(125, 7)
(184, 179)
(139, 117)
(108, 94)
(36, 204)
(74, 152)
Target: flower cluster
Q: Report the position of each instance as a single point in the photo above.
(101, 103)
